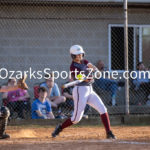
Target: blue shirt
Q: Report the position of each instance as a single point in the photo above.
(44, 108)
(55, 90)
(140, 78)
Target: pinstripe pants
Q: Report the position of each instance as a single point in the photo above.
(83, 95)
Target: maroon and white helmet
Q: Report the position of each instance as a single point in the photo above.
(76, 50)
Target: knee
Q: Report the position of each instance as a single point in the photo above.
(103, 110)
(76, 120)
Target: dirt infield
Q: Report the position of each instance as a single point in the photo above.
(77, 138)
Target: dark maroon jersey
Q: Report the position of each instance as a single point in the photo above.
(80, 67)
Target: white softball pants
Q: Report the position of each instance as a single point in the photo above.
(83, 95)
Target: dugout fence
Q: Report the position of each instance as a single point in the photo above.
(37, 34)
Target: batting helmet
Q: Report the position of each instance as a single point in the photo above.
(76, 50)
(4, 112)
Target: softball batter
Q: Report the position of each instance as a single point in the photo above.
(83, 94)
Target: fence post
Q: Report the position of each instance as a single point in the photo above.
(126, 55)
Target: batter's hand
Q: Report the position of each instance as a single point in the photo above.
(22, 84)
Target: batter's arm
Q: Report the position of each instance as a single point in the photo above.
(92, 66)
(95, 69)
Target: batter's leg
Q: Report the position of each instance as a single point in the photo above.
(95, 101)
(80, 96)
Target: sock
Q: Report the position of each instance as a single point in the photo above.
(67, 123)
(106, 122)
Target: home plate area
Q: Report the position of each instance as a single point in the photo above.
(77, 138)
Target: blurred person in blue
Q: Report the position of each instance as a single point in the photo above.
(107, 84)
(53, 92)
(41, 107)
(141, 79)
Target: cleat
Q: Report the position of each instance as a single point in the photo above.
(5, 136)
(57, 130)
(110, 135)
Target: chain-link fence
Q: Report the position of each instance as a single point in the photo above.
(37, 34)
